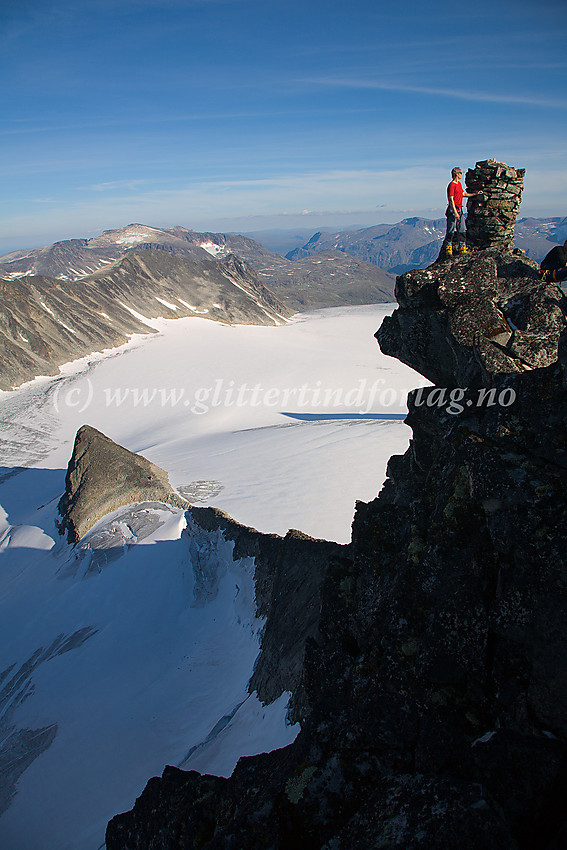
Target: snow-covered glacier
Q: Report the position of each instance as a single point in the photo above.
(118, 659)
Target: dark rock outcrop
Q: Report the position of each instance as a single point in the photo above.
(102, 477)
(435, 689)
(475, 318)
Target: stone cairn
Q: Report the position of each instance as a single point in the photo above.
(491, 218)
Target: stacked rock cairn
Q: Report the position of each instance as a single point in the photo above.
(491, 217)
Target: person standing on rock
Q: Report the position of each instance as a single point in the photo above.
(454, 213)
(554, 265)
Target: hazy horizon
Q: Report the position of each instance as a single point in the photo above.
(245, 116)
(278, 239)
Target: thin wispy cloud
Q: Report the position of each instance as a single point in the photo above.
(380, 45)
(114, 185)
(457, 94)
(26, 126)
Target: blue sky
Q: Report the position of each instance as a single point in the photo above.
(244, 115)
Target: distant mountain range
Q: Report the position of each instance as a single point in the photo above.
(69, 299)
(47, 321)
(415, 242)
(328, 281)
(73, 259)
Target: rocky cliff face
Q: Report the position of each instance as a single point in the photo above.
(288, 575)
(475, 319)
(435, 687)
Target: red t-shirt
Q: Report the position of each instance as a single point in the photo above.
(455, 190)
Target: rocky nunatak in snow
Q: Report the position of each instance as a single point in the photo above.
(435, 688)
(102, 477)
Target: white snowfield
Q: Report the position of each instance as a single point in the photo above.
(132, 235)
(118, 659)
(131, 239)
(214, 249)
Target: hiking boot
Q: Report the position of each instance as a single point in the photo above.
(464, 250)
(448, 250)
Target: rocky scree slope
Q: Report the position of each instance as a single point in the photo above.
(435, 688)
(328, 279)
(45, 322)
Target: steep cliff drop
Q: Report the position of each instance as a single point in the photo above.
(435, 688)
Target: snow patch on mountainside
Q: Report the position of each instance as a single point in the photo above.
(214, 249)
(128, 240)
(131, 235)
(167, 304)
(14, 275)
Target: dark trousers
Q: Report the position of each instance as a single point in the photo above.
(455, 226)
